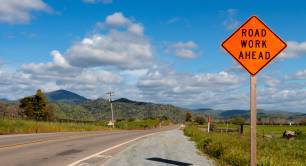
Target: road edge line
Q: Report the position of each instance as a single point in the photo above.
(110, 148)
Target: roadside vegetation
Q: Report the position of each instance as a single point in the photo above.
(231, 148)
(142, 124)
(18, 126)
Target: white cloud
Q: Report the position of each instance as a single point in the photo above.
(299, 75)
(59, 66)
(125, 47)
(169, 86)
(117, 19)
(183, 49)
(136, 29)
(293, 50)
(231, 21)
(19, 11)
(98, 1)
(117, 49)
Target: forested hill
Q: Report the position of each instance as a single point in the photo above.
(65, 96)
(73, 106)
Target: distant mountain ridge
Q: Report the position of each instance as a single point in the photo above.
(65, 96)
(227, 114)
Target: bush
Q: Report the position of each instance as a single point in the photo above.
(200, 120)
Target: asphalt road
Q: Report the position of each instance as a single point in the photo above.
(58, 149)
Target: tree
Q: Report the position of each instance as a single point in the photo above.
(200, 120)
(2, 109)
(238, 120)
(40, 105)
(13, 111)
(26, 104)
(188, 117)
(35, 107)
(52, 110)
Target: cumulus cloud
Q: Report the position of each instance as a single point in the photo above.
(188, 89)
(183, 49)
(119, 20)
(117, 49)
(122, 48)
(293, 50)
(58, 67)
(17, 11)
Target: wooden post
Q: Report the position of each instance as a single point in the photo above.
(208, 124)
(253, 119)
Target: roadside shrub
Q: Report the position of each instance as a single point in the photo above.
(215, 149)
(200, 120)
(131, 119)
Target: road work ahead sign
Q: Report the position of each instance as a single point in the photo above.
(254, 45)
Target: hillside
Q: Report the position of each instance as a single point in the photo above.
(261, 114)
(125, 109)
(65, 97)
(73, 106)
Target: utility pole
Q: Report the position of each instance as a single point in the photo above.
(110, 94)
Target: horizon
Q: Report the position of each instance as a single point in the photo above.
(170, 57)
(192, 109)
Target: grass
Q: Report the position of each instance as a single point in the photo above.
(8, 126)
(232, 149)
(17, 126)
(140, 124)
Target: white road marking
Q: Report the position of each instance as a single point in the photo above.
(108, 149)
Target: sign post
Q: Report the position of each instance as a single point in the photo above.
(208, 123)
(253, 119)
(253, 45)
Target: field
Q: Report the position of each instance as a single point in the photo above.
(233, 149)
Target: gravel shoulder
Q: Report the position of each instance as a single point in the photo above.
(166, 148)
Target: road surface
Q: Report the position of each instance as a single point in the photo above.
(57, 149)
(167, 148)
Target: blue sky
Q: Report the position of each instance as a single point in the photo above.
(158, 51)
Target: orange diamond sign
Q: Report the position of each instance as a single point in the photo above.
(254, 45)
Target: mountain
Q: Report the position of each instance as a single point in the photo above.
(4, 100)
(235, 113)
(65, 97)
(74, 106)
(228, 114)
(125, 109)
(125, 100)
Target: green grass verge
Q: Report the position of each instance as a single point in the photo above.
(231, 149)
(8, 126)
(140, 124)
